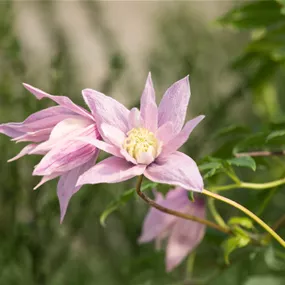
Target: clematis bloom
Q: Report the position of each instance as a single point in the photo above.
(183, 235)
(146, 141)
(52, 133)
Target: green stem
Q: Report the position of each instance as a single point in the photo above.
(247, 212)
(190, 265)
(265, 202)
(233, 176)
(218, 218)
(246, 185)
(153, 204)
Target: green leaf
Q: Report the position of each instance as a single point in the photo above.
(210, 165)
(276, 134)
(213, 166)
(256, 14)
(244, 161)
(265, 279)
(232, 244)
(274, 260)
(121, 201)
(233, 130)
(191, 196)
(255, 141)
(241, 221)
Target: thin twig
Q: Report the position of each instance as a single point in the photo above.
(279, 223)
(175, 213)
(261, 153)
(247, 212)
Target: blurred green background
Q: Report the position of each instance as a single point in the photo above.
(237, 77)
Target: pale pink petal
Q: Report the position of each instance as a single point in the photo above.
(135, 120)
(43, 119)
(68, 126)
(111, 170)
(37, 136)
(102, 145)
(127, 156)
(148, 106)
(185, 236)
(67, 129)
(66, 155)
(106, 109)
(46, 179)
(145, 157)
(176, 169)
(155, 222)
(26, 150)
(9, 131)
(113, 135)
(165, 132)
(60, 100)
(175, 143)
(158, 224)
(66, 186)
(173, 106)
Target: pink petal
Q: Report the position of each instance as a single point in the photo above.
(67, 155)
(185, 236)
(173, 106)
(165, 132)
(26, 150)
(176, 169)
(60, 100)
(67, 129)
(46, 179)
(102, 145)
(113, 135)
(106, 109)
(127, 156)
(9, 131)
(68, 126)
(111, 170)
(37, 136)
(43, 119)
(145, 157)
(135, 120)
(157, 224)
(148, 106)
(67, 185)
(182, 137)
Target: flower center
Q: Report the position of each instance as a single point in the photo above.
(142, 145)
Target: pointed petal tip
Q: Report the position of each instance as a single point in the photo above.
(39, 185)
(27, 86)
(87, 91)
(169, 267)
(140, 240)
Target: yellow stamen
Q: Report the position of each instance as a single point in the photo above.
(141, 143)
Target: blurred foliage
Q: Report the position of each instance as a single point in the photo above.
(237, 80)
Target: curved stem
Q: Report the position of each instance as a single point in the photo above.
(247, 185)
(215, 214)
(175, 213)
(279, 223)
(261, 153)
(247, 212)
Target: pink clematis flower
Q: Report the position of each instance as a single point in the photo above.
(145, 141)
(52, 133)
(183, 235)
